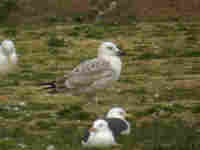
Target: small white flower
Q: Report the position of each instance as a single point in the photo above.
(156, 95)
(7, 138)
(22, 104)
(50, 147)
(28, 114)
(22, 145)
(16, 108)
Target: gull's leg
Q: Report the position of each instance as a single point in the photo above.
(88, 103)
(90, 99)
(93, 99)
(96, 100)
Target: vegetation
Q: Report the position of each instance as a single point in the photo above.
(159, 86)
(6, 6)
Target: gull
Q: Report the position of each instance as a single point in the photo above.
(8, 56)
(91, 75)
(99, 135)
(117, 122)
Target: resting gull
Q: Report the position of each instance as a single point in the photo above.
(91, 75)
(99, 135)
(8, 56)
(117, 122)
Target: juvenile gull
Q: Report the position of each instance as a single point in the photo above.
(117, 122)
(99, 135)
(91, 75)
(8, 56)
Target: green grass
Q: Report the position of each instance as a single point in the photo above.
(159, 85)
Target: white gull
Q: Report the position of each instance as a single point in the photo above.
(8, 56)
(99, 135)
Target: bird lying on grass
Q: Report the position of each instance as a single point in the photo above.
(8, 56)
(105, 131)
(8, 59)
(99, 135)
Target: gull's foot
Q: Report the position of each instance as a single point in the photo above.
(96, 100)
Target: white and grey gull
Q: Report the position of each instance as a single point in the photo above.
(105, 131)
(91, 75)
(8, 56)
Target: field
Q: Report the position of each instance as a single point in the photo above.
(159, 85)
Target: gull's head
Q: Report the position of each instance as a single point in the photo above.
(109, 49)
(117, 112)
(8, 47)
(99, 126)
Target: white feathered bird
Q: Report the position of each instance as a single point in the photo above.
(8, 56)
(99, 135)
(91, 75)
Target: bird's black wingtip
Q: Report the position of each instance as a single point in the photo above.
(47, 83)
(49, 86)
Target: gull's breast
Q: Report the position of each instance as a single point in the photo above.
(116, 65)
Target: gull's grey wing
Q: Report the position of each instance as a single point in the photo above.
(87, 76)
(88, 73)
(101, 83)
(90, 67)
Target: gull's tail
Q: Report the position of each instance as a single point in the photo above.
(50, 86)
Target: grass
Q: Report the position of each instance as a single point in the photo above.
(6, 6)
(158, 85)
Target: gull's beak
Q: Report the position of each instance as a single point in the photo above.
(121, 53)
(93, 130)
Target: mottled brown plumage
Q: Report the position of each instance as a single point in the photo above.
(91, 75)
